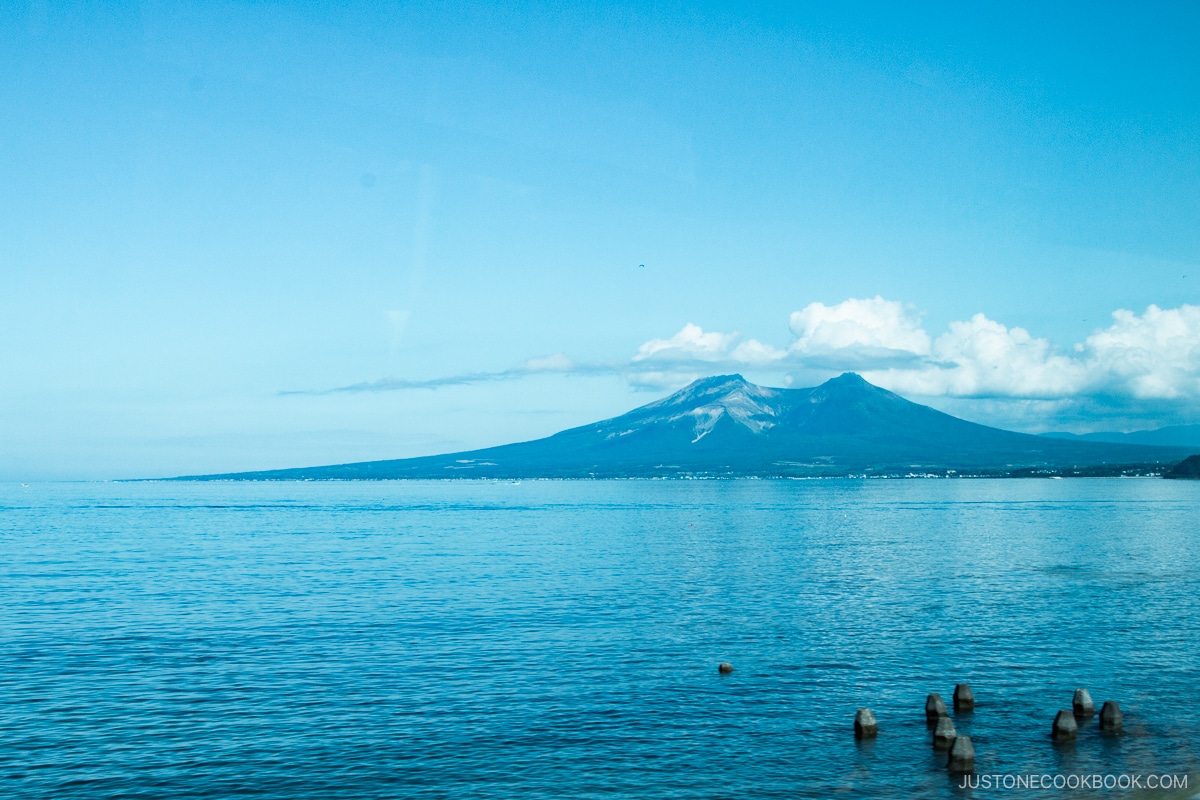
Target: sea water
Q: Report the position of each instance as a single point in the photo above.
(561, 639)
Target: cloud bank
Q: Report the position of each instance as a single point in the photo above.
(1141, 366)
(1151, 356)
(558, 363)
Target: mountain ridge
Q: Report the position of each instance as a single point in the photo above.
(1169, 436)
(725, 426)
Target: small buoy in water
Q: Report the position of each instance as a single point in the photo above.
(964, 698)
(935, 707)
(724, 668)
(1081, 704)
(1111, 717)
(1064, 727)
(962, 755)
(944, 734)
(865, 726)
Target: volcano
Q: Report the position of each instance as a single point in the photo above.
(725, 426)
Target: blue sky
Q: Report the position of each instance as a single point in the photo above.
(252, 235)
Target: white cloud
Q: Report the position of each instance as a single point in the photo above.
(983, 358)
(693, 344)
(1151, 359)
(873, 324)
(1152, 356)
(690, 343)
(693, 353)
(1155, 355)
(754, 353)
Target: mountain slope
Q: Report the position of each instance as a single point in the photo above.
(1170, 436)
(1188, 469)
(726, 426)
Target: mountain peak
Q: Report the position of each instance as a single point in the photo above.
(705, 390)
(850, 384)
(717, 382)
(703, 403)
(848, 381)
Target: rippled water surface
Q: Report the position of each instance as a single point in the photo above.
(560, 639)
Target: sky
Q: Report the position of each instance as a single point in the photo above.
(246, 235)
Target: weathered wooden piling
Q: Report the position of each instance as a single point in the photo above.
(1081, 703)
(865, 726)
(935, 708)
(724, 668)
(962, 755)
(964, 698)
(1111, 718)
(1064, 728)
(944, 734)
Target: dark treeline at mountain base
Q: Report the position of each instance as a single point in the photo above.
(1188, 469)
(727, 427)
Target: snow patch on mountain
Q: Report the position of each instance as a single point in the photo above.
(705, 403)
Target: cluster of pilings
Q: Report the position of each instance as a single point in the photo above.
(1066, 723)
(960, 753)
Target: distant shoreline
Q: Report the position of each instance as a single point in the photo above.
(1156, 471)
